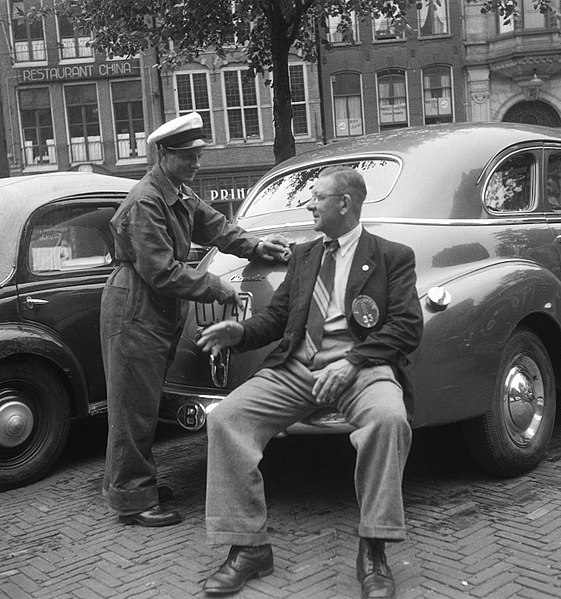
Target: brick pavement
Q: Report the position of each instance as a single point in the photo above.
(468, 536)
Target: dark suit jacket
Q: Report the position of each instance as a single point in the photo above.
(382, 270)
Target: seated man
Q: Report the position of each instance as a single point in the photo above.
(346, 328)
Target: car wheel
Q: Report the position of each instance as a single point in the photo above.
(34, 422)
(512, 436)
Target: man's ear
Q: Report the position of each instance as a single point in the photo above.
(345, 204)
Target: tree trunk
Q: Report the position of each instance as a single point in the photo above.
(284, 146)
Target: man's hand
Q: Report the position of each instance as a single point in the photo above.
(229, 295)
(275, 248)
(332, 380)
(220, 335)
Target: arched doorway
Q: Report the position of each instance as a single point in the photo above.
(533, 113)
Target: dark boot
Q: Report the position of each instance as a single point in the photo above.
(372, 570)
(243, 563)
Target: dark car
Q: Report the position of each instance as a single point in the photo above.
(479, 204)
(56, 252)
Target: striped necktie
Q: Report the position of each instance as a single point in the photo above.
(320, 299)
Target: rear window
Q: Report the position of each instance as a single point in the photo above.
(509, 188)
(293, 190)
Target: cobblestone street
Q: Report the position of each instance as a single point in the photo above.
(468, 535)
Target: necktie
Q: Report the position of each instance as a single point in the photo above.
(320, 299)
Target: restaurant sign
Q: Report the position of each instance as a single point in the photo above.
(118, 68)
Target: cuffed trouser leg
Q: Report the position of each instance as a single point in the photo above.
(239, 429)
(382, 440)
(134, 386)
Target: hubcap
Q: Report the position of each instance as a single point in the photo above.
(16, 423)
(523, 400)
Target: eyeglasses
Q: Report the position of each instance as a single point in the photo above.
(319, 197)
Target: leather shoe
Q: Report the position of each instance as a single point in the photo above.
(155, 516)
(372, 570)
(243, 563)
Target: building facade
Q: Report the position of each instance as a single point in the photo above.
(65, 107)
(513, 70)
(382, 76)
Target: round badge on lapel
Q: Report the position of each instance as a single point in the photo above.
(365, 311)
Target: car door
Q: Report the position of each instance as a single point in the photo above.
(65, 258)
(552, 190)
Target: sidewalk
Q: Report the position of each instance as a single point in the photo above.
(468, 536)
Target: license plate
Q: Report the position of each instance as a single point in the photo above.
(208, 314)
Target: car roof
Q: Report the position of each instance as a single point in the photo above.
(434, 158)
(486, 138)
(20, 196)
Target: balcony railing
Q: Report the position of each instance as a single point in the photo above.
(75, 47)
(86, 149)
(125, 148)
(38, 155)
(30, 51)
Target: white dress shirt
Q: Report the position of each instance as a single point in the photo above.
(335, 318)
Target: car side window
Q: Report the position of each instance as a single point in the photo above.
(553, 182)
(509, 189)
(69, 238)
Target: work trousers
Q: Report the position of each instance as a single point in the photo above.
(136, 355)
(240, 427)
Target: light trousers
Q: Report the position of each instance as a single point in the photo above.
(240, 427)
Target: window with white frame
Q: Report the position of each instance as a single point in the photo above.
(27, 33)
(298, 92)
(437, 94)
(527, 17)
(433, 18)
(384, 28)
(82, 113)
(392, 99)
(192, 94)
(37, 126)
(74, 43)
(129, 118)
(242, 105)
(348, 35)
(346, 89)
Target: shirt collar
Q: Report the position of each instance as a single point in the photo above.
(171, 192)
(347, 241)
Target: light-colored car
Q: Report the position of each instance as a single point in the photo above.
(478, 203)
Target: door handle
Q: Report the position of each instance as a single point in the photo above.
(558, 239)
(31, 302)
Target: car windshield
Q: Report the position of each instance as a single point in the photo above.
(293, 190)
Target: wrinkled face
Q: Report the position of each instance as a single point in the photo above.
(325, 205)
(181, 166)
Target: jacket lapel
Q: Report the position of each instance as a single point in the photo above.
(362, 267)
(311, 262)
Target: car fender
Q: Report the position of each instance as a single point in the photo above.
(456, 363)
(28, 340)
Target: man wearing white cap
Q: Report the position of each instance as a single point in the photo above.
(143, 308)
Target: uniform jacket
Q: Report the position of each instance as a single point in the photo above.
(153, 230)
(382, 270)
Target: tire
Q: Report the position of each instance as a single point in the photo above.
(34, 422)
(512, 436)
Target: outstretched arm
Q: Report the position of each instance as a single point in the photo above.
(220, 335)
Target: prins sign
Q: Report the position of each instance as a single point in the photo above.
(118, 68)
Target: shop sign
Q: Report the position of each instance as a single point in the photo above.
(228, 195)
(119, 68)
